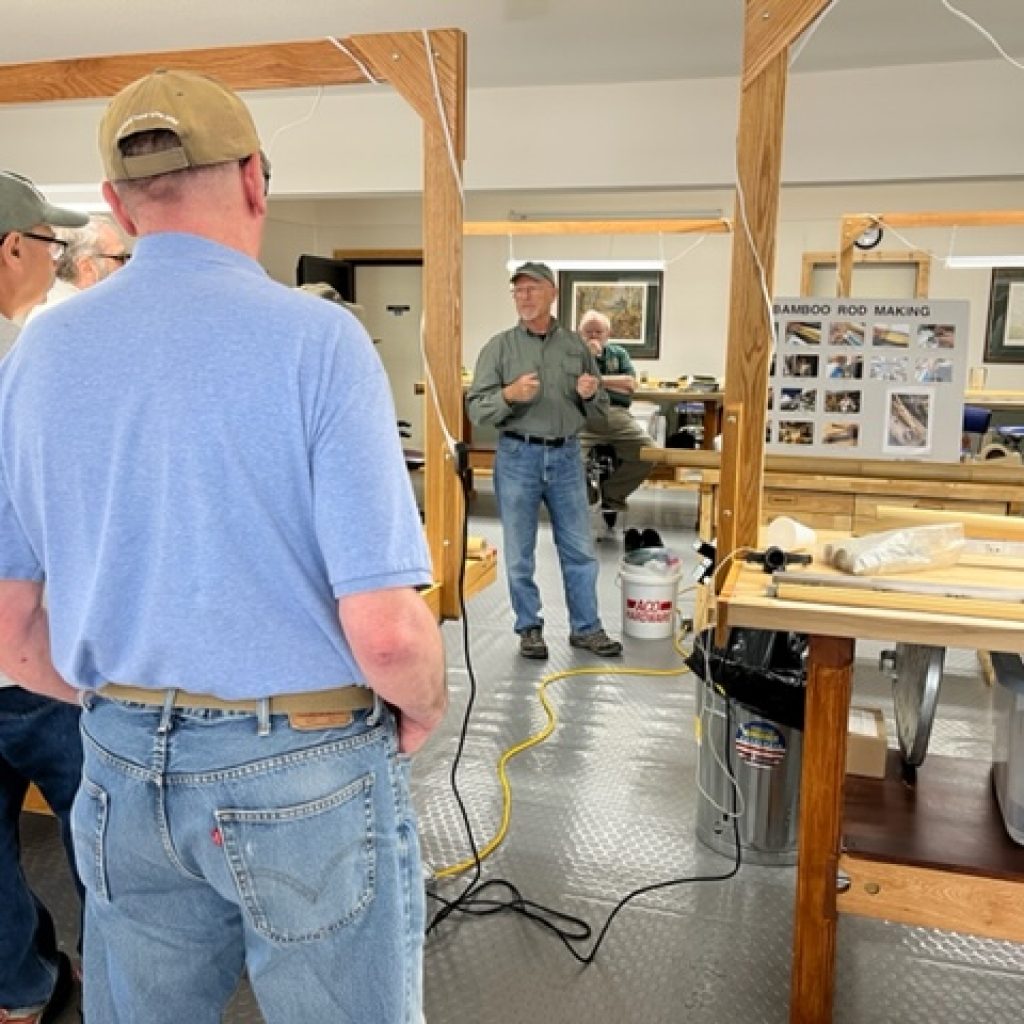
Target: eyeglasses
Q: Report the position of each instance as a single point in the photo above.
(117, 257)
(57, 246)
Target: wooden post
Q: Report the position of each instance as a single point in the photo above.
(403, 58)
(829, 684)
(769, 27)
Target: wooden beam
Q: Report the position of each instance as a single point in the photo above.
(265, 66)
(703, 226)
(925, 897)
(770, 26)
(852, 229)
(401, 58)
(853, 225)
(759, 160)
(954, 219)
(829, 684)
(434, 84)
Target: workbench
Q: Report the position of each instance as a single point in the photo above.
(845, 495)
(935, 855)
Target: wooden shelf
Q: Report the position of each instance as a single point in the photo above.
(934, 852)
(948, 819)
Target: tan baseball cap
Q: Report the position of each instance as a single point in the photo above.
(211, 122)
(23, 206)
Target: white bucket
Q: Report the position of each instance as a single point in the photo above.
(648, 603)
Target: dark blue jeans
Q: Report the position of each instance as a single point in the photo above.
(39, 742)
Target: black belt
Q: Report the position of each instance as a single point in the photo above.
(548, 442)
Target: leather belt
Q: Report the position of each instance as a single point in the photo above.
(315, 702)
(548, 442)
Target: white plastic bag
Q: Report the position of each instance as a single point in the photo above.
(907, 550)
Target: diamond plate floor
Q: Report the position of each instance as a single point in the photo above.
(608, 804)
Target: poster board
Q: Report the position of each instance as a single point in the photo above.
(867, 378)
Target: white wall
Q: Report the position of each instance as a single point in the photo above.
(696, 284)
(934, 121)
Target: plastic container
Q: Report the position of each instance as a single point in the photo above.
(649, 598)
(764, 758)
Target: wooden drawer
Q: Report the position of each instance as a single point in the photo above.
(821, 510)
(865, 519)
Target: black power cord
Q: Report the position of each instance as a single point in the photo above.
(472, 901)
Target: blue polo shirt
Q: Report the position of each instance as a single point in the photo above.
(198, 461)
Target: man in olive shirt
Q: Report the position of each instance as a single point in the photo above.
(538, 384)
(620, 430)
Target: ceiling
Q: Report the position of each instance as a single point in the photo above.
(526, 42)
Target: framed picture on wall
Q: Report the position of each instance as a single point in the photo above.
(1004, 336)
(631, 299)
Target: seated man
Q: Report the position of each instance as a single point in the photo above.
(620, 429)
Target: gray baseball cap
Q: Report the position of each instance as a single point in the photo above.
(23, 206)
(538, 271)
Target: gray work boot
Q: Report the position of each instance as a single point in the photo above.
(598, 642)
(531, 643)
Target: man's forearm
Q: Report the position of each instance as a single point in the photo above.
(397, 644)
(25, 642)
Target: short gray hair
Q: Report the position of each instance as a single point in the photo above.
(83, 243)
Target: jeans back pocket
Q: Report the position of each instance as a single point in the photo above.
(89, 815)
(305, 870)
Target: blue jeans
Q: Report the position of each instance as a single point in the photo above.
(39, 742)
(525, 476)
(206, 846)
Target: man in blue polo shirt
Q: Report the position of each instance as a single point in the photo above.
(203, 467)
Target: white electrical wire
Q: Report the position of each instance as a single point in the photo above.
(355, 60)
(815, 25)
(988, 35)
(294, 124)
(449, 437)
(449, 142)
(705, 730)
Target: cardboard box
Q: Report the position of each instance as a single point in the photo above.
(866, 742)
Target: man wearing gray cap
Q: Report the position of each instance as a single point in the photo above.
(538, 383)
(232, 552)
(39, 740)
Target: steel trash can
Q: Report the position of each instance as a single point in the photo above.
(764, 758)
(750, 702)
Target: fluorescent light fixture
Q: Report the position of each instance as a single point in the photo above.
(1006, 259)
(544, 215)
(557, 265)
(86, 198)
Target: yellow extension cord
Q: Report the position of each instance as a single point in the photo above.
(538, 737)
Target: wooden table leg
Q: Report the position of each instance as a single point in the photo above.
(829, 683)
(712, 424)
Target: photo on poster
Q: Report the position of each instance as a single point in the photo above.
(847, 332)
(908, 421)
(803, 332)
(800, 366)
(840, 366)
(798, 400)
(841, 433)
(796, 432)
(891, 335)
(891, 368)
(842, 401)
(933, 371)
(936, 336)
